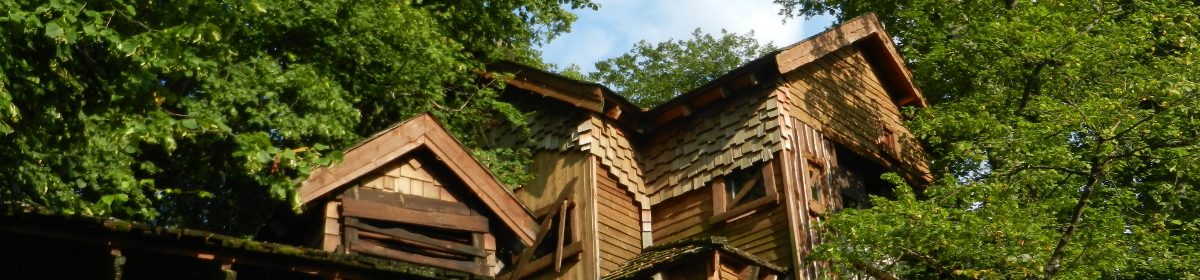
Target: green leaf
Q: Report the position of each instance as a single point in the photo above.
(189, 123)
(54, 31)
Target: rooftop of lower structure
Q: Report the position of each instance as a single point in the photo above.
(203, 244)
(655, 258)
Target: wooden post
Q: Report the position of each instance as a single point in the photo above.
(477, 241)
(225, 272)
(117, 263)
(349, 234)
(714, 267)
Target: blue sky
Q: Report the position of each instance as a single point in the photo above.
(612, 30)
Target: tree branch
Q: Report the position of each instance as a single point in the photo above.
(873, 271)
(1054, 264)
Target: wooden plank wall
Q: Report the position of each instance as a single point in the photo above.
(619, 223)
(841, 96)
(763, 233)
(687, 154)
(412, 175)
(556, 172)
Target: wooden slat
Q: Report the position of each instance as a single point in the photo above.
(383, 212)
(375, 249)
(562, 226)
(479, 241)
(412, 238)
(413, 202)
(349, 234)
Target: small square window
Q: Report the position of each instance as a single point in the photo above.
(743, 191)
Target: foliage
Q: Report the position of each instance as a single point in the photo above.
(652, 74)
(1064, 135)
(208, 114)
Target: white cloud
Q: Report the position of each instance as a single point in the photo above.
(618, 24)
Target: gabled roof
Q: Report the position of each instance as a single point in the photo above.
(593, 97)
(864, 32)
(655, 258)
(423, 132)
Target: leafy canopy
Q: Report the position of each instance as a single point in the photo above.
(208, 114)
(651, 74)
(1064, 134)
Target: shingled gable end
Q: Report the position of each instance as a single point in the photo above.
(755, 156)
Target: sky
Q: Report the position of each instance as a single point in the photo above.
(612, 30)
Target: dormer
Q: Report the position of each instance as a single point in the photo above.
(412, 193)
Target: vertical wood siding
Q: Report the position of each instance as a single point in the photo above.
(619, 223)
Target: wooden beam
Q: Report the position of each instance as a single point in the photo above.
(546, 261)
(718, 195)
(412, 201)
(416, 239)
(383, 212)
(375, 249)
(562, 224)
(363, 159)
(161, 244)
(480, 181)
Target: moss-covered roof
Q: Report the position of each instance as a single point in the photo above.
(139, 236)
(655, 258)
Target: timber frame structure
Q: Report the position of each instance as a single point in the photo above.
(754, 159)
(726, 181)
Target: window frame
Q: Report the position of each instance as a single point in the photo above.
(724, 210)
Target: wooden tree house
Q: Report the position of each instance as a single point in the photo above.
(755, 157)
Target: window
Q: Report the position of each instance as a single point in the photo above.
(888, 141)
(743, 191)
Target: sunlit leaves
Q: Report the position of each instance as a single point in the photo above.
(209, 114)
(651, 74)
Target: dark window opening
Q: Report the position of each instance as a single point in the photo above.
(858, 178)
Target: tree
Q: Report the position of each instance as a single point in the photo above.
(652, 74)
(209, 114)
(1063, 134)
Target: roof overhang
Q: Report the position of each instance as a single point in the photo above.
(593, 97)
(865, 32)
